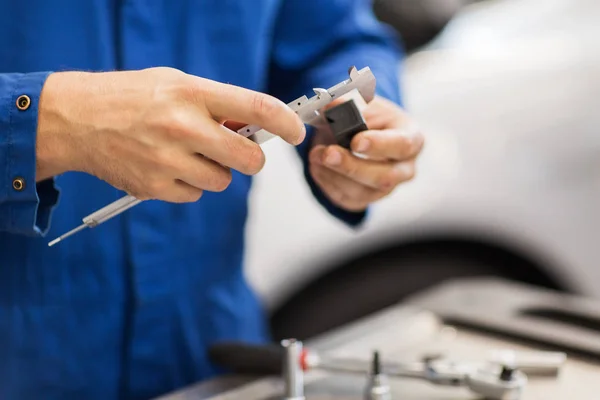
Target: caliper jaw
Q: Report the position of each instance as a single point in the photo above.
(310, 110)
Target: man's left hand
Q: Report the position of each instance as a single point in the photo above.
(387, 150)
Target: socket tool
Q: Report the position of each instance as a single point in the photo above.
(311, 112)
(378, 387)
(495, 379)
(293, 375)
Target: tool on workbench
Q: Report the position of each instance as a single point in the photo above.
(293, 375)
(378, 387)
(342, 120)
(492, 379)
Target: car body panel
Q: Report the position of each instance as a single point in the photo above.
(509, 99)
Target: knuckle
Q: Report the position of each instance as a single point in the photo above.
(155, 75)
(262, 105)
(183, 92)
(163, 160)
(171, 122)
(232, 144)
(168, 84)
(163, 71)
(190, 91)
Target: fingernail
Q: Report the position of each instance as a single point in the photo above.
(363, 145)
(333, 158)
(302, 135)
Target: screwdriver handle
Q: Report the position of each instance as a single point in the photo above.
(111, 210)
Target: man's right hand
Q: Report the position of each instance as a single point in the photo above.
(156, 133)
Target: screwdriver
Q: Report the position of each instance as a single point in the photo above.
(98, 217)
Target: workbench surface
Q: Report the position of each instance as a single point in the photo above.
(402, 333)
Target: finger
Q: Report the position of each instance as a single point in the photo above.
(381, 113)
(388, 144)
(375, 174)
(202, 173)
(181, 192)
(345, 190)
(228, 102)
(334, 193)
(226, 147)
(376, 119)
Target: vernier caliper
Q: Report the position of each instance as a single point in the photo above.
(310, 111)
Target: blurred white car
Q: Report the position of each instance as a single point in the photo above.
(509, 181)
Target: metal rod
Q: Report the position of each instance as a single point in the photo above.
(293, 376)
(66, 235)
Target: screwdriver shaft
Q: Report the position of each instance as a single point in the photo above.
(66, 235)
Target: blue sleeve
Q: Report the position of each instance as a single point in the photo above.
(315, 44)
(25, 206)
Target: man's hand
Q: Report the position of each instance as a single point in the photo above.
(389, 147)
(156, 133)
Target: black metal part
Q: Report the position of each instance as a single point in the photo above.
(376, 364)
(345, 121)
(507, 373)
